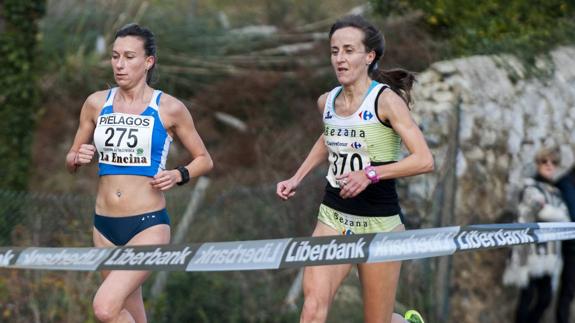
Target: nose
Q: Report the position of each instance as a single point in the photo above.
(119, 63)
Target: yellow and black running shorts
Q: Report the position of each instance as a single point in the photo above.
(347, 224)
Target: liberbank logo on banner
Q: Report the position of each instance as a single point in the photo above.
(62, 258)
(481, 238)
(8, 257)
(166, 257)
(239, 255)
(327, 250)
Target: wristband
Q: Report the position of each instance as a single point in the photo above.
(371, 174)
(185, 175)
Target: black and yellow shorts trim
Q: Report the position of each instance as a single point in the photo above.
(347, 224)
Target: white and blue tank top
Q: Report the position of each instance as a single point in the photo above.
(131, 144)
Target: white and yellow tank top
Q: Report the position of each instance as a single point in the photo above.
(360, 139)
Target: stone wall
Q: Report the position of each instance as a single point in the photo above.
(484, 118)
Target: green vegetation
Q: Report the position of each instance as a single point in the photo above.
(224, 297)
(18, 99)
(524, 28)
(19, 96)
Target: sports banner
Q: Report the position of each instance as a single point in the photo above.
(288, 252)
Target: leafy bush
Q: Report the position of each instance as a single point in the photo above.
(18, 96)
(492, 26)
(223, 297)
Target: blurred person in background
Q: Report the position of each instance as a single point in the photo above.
(131, 127)
(533, 267)
(566, 185)
(365, 120)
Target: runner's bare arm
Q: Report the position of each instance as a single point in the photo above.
(316, 156)
(82, 151)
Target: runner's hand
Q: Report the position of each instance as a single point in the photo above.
(84, 154)
(166, 179)
(287, 188)
(352, 183)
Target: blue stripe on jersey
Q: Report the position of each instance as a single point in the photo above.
(161, 141)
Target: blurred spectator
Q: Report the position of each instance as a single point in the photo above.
(566, 184)
(533, 267)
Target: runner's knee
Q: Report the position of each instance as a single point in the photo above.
(314, 309)
(105, 309)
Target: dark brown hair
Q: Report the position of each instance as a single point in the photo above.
(149, 43)
(399, 80)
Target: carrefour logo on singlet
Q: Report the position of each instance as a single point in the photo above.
(365, 115)
(343, 132)
(342, 144)
(355, 145)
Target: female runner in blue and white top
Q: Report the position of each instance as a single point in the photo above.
(132, 126)
(365, 120)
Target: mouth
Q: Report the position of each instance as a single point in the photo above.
(341, 69)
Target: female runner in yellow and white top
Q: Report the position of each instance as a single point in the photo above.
(365, 121)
